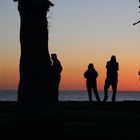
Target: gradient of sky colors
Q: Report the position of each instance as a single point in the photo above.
(81, 32)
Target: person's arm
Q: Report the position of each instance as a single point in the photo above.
(96, 73)
(85, 74)
(117, 66)
(107, 65)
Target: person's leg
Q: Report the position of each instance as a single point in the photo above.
(96, 93)
(89, 93)
(114, 88)
(55, 96)
(106, 86)
(57, 92)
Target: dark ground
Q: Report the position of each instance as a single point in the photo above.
(68, 120)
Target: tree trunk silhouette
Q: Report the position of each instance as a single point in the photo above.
(35, 85)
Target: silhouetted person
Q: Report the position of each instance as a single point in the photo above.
(91, 76)
(56, 71)
(112, 67)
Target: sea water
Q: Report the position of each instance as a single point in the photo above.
(83, 96)
(77, 95)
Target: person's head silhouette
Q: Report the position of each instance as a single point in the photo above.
(90, 66)
(113, 58)
(53, 56)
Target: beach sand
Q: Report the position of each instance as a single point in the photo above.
(68, 120)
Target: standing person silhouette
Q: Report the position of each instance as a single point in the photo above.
(56, 71)
(91, 76)
(112, 67)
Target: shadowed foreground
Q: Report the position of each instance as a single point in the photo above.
(72, 120)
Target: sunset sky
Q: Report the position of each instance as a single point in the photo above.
(80, 32)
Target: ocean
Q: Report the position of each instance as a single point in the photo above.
(75, 95)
